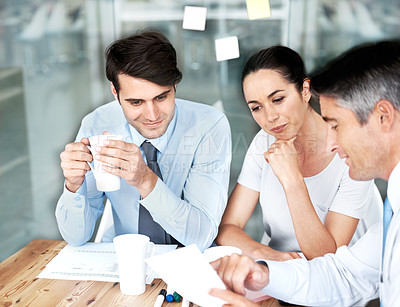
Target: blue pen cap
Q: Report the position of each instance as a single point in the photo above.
(169, 298)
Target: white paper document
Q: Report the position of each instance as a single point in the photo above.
(187, 271)
(92, 261)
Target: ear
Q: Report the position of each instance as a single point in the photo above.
(306, 93)
(114, 91)
(385, 114)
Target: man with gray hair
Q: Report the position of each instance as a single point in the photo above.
(360, 98)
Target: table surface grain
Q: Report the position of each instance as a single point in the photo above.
(20, 287)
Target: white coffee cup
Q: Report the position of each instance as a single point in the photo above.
(131, 251)
(216, 252)
(104, 181)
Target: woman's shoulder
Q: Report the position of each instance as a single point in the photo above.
(336, 168)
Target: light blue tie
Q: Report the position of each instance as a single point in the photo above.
(387, 217)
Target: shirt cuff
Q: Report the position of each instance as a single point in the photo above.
(160, 203)
(77, 199)
(154, 199)
(280, 277)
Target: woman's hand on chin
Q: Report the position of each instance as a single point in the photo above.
(283, 158)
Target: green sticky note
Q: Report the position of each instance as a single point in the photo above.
(257, 9)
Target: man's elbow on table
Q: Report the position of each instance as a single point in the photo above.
(71, 234)
(73, 238)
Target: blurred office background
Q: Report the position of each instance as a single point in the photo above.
(52, 74)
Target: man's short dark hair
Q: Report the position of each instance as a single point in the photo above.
(145, 55)
(362, 76)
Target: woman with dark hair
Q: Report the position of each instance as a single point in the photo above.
(309, 203)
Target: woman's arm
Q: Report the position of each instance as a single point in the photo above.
(241, 205)
(342, 227)
(315, 239)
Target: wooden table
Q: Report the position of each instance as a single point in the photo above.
(20, 287)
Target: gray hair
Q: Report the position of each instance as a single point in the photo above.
(361, 77)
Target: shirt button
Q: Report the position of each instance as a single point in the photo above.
(77, 198)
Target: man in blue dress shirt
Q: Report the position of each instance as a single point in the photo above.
(360, 99)
(187, 196)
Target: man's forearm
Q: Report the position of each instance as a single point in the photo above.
(75, 218)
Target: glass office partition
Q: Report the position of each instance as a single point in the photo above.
(51, 74)
(321, 29)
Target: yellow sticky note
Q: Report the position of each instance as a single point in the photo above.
(257, 9)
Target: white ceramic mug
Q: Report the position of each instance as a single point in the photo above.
(131, 251)
(104, 181)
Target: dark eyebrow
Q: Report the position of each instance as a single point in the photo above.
(140, 99)
(133, 99)
(269, 96)
(328, 119)
(273, 93)
(163, 93)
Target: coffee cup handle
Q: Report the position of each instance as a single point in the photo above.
(150, 274)
(150, 249)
